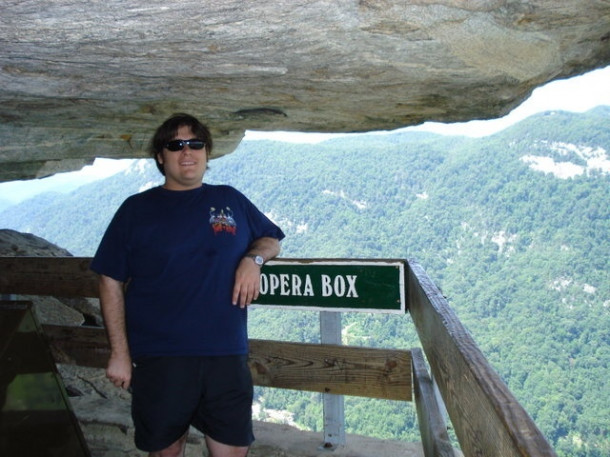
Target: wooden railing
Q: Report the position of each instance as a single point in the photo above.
(487, 419)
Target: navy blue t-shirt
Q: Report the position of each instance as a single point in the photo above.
(178, 252)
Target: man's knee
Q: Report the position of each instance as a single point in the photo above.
(217, 449)
(174, 450)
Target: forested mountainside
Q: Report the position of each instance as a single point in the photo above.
(512, 227)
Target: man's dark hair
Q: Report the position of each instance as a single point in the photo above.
(167, 131)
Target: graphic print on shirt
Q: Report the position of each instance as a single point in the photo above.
(222, 221)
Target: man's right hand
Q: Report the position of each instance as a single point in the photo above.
(119, 370)
(112, 301)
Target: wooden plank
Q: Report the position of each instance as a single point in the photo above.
(84, 346)
(342, 370)
(432, 426)
(57, 276)
(487, 418)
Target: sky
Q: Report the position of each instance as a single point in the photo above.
(578, 94)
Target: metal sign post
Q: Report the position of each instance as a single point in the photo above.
(334, 412)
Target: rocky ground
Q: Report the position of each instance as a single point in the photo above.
(109, 433)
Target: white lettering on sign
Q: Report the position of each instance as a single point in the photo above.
(295, 286)
(340, 286)
(286, 285)
(351, 284)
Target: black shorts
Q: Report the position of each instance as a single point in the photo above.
(214, 394)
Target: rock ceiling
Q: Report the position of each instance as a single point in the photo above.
(87, 79)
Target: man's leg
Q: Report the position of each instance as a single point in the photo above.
(225, 414)
(217, 449)
(166, 391)
(174, 450)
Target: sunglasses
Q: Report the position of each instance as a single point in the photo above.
(179, 145)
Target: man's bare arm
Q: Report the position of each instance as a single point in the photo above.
(112, 301)
(247, 276)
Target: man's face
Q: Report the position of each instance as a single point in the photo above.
(184, 169)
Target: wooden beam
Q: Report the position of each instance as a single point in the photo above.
(487, 418)
(84, 346)
(56, 276)
(432, 426)
(343, 370)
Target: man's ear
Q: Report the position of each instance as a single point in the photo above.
(160, 158)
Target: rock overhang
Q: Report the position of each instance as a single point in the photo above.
(93, 79)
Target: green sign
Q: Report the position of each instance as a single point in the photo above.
(334, 285)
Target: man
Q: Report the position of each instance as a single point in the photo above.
(178, 266)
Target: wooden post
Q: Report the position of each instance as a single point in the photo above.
(488, 420)
(432, 425)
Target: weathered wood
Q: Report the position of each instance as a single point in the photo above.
(57, 276)
(487, 418)
(432, 426)
(84, 346)
(343, 370)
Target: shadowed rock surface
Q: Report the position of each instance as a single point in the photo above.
(80, 80)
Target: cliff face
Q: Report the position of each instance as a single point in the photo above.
(92, 79)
